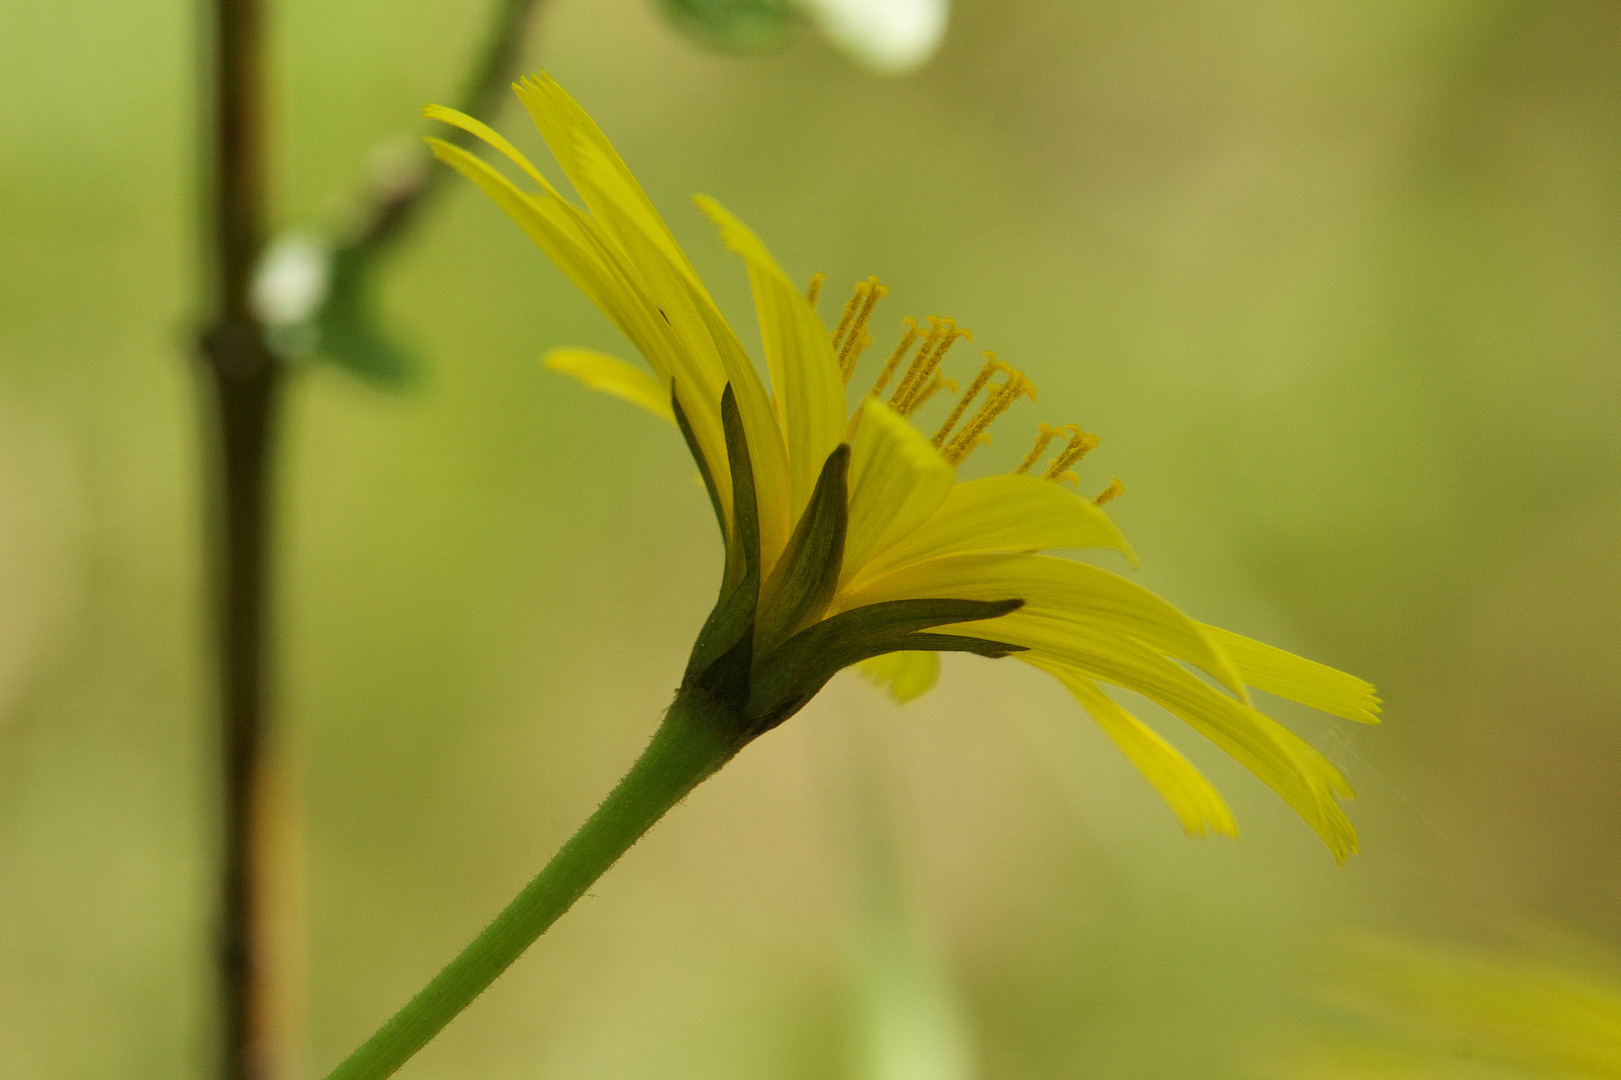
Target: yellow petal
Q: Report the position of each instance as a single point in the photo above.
(897, 480)
(1004, 513)
(1106, 635)
(573, 242)
(485, 132)
(625, 260)
(1059, 590)
(1301, 776)
(1195, 802)
(612, 375)
(1269, 668)
(567, 128)
(906, 675)
(799, 354)
(561, 235)
(697, 334)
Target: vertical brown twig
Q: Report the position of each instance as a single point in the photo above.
(243, 385)
(243, 380)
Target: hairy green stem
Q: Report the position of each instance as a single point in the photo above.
(697, 737)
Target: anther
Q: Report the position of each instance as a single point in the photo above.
(1045, 434)
(897, 356)
(856, 338)
(1113, 491)
(851, 306)
(919, 361)
(1081, 443)
(814, 290)
(992, 366)
(997, 402)
(935, 386)
(943, 333)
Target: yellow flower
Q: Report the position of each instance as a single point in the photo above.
(1418, 1010)
(849, 538)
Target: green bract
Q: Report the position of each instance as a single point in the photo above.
(765, 651)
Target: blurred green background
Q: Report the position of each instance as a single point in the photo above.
(1338, 285)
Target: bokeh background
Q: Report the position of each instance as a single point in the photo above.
(1338, 285)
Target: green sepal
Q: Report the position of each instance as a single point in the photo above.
(786, 679)
(991, 650)
(802, 583)
(723, 655)
(745, 507)
(685, 425)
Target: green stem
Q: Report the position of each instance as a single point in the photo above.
(697, 737)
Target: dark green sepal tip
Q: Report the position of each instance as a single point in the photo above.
(805, 577)
(786, 680)
(723, 655)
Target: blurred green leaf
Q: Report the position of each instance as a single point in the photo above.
(737, 26)
(349, 332)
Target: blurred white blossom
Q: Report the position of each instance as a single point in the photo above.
(293, 278)
(891, 37)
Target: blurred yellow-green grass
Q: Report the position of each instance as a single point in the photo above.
(1338, 286)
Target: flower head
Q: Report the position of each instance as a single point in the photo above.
(849, 539)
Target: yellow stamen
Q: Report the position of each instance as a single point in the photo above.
(1068, 478)
(815, 288)
(1113, 491)
(992, 366)
(896, 357)
(851, 306)
(996, 403)
(943, 334)
(1045, 434)
(856, 338)
(1081, 443)
(935, 386)
(919, 359)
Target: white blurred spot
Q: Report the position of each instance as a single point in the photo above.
(891, 37)
(293, 278)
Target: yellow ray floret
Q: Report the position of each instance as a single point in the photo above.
(1195, 802)
(612, 375)
(847, 517)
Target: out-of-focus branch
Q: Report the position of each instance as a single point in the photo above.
(396, 201)
(243, 380)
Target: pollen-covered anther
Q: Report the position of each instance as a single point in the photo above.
(1108, 494)
(814, 289)
(1068, 478)
(1045, 434)
(895, 358)
(931, 339)
(851, 336)
(936, 385)
(992, 366)
(851, 307)
(997, 401)
(857, 338)
(1081, 443)
(943, 333)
